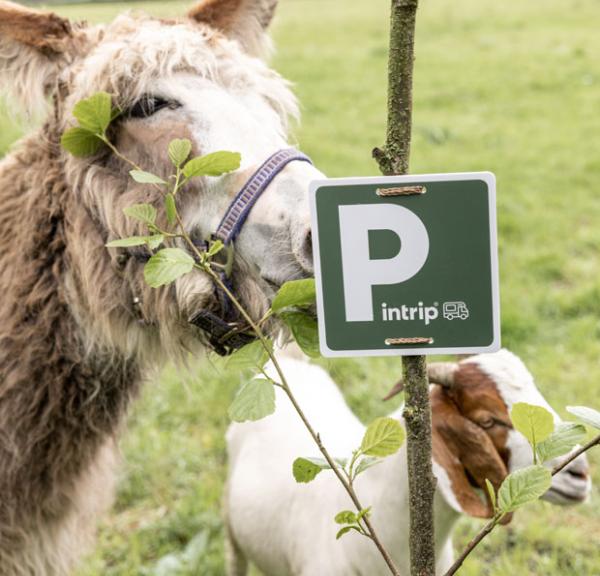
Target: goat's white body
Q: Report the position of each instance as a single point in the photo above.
(287, 529)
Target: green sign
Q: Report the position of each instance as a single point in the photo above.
(406, 265)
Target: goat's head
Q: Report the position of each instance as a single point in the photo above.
(473, 438)
(201, 77)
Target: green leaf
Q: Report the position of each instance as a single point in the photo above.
(196, 550)
(365, 463)
(492, 493)
(305, 331)
(364, 512)
(566, 436)
(166, 266)
(341, 461)
(534, 422)
(306, 470)
(142, 212)
(94, 113)
(320, 462)
(128, 242)
(255, 400)
(145, 177)
(170, 208)
(179, 150)
(345, 530)
(523, 486)
(252, 357)
(345, 517)
(80, 142)
(215, 247)
(587, 415)
(295, 293)
(383, 437)
(155, 241)
(215, 164)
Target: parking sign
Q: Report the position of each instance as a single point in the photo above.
(405, 273)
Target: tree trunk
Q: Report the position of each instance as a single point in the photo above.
(394, 159)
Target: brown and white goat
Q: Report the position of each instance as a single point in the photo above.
(287, 529)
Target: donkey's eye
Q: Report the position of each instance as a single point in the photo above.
(149, 105)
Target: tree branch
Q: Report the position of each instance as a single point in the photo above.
(372, 534)
(576, 454)
(488, 528)
(256, 327)
(421, 481)
(393, 158)
(485, 531)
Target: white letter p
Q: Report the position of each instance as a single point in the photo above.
(360, 272)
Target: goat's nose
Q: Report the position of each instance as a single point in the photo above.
(304, 251)
(578, 469)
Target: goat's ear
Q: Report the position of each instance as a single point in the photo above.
(243, 20)
(441, 373)
(34, 46)
(468, 457)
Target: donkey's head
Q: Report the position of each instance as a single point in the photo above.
(201, 77)
(474, 439)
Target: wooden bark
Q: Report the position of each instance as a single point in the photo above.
(421, 482)
(393, 158)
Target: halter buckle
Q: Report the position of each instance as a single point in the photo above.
(223, 337)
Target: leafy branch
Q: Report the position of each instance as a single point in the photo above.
(256, 398)
(383, 437)
(529, 484)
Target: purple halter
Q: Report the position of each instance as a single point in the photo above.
(222, 329)
(239, 209)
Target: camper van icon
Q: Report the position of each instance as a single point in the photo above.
(453, 310)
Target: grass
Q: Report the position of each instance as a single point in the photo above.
(507, 87)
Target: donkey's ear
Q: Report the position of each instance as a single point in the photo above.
(34, 46)
(468, 457)
(244, 20)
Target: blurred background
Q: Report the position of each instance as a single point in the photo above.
(509, 87)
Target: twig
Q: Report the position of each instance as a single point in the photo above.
(576, 454)
(485, 531)
(256, 327)
(489, 527)
(372, 534)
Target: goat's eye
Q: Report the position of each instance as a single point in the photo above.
(487, 423)
(149, 105)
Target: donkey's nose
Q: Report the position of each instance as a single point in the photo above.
(304, 251)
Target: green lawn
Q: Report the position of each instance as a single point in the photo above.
(508, 87)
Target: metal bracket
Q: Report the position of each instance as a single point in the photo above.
(407, 341)
(401, 191)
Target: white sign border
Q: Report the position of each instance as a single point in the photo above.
(490, 179)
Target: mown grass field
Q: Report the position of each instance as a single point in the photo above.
(509, 87)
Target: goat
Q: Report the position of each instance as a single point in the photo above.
(287, 529)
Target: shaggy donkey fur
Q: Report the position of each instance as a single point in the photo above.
(73, 346)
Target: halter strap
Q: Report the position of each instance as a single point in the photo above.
(239, 210)
(222, 329)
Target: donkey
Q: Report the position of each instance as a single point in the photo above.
(78, 326)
